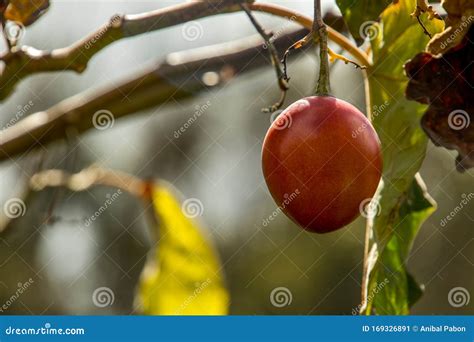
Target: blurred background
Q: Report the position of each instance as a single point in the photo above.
(217, 160)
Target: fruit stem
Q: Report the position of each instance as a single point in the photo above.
(320, 34)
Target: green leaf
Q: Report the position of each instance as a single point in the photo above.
(359, 14)
(404, 203)
(403, 291)
(183, 275)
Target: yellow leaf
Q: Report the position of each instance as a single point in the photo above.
(25, 11)
(183, 275)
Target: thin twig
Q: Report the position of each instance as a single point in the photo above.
(307, 22)
(333, 56)
(280, 69)
(295, 46)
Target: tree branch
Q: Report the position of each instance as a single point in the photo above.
(91, 176)
(21, 62)
(169, 79)
(280, 70)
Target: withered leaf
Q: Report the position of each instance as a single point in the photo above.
(25, 11)
(422, 6)
(446, 83)
(459, 20)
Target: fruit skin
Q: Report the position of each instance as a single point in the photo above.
(321, 159)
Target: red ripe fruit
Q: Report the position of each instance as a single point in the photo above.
(322, 162)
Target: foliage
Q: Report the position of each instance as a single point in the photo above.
(358, 14)
(443, 77)
(402, 204)
(183, 275)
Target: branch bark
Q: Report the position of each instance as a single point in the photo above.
(24, 61)
(159, 84)
(89, 177)
(21, 62)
